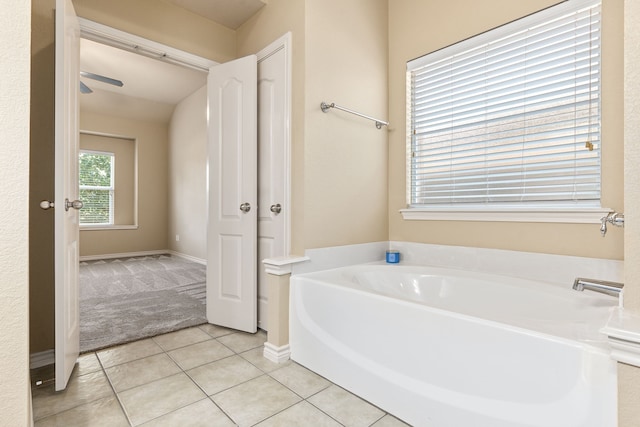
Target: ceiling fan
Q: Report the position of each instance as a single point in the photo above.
(86, 89)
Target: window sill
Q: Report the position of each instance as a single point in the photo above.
(103, 227)
(502, 214)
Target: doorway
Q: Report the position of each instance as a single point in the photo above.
(132, 283)
(177, 236)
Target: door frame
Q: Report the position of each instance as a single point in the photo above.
(110, 36)
(284, 43)
(104, 34)
(278, 185)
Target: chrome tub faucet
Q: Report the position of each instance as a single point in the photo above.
(602, 286)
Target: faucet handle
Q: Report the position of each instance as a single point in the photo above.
(614, 218)
(603, 225)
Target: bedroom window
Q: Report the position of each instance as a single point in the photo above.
(509, 120)
(97, 185)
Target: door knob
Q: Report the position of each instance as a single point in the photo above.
(46, 204)
(245, 207)
(276, 209)
(76, 204)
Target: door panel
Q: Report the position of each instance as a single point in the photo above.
(232, 179)
(67, 310)
(231, 255)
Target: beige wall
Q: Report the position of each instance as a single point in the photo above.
(267, 25)
(345, 155)
(628, 376)
(124, 153)
(632, 155)
(417, 27)
(163, 22)
(187, 190)
(338, 162)
(152, 146)
(15, 27)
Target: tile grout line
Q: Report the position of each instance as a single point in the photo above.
(234, 354)
(207, 396)
(210, 397)
(166, 353)
(264, 373)
(267, 374)
(267, 370)
(113, 388)
(77, 404)
(318, 392)
(302, 398)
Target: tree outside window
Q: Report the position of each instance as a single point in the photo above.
(97, 182)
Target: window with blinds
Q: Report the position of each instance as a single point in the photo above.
(97, 183)
(510, 117)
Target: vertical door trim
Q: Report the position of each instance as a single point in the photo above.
(284, 42)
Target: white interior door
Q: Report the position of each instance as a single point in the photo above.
(67, 310)
(232, 187)
(273, 137)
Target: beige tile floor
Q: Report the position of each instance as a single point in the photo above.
(201, 376)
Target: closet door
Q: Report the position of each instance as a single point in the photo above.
(232, 206)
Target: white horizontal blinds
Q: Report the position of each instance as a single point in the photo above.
(97, 181)
(512, 116)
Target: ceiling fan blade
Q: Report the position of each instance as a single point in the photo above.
(84, 88)
(100, 78)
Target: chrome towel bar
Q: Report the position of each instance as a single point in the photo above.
(379, 123)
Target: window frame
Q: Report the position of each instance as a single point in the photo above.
(111, 189)
(535, 212)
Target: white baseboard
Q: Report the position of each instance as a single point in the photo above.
(276, 354)
(143, 253)
(43, 358)
(123, 255)
(188, 257)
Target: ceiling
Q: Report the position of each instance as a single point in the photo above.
(230, 13)
(151, 87)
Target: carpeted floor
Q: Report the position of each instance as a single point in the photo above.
(126, 299)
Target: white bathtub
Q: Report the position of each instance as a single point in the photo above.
(447, 348)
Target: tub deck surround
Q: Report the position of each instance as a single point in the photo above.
(623, 332)
(560, 269)
(340, 256)
(442, 347)
(281, 266)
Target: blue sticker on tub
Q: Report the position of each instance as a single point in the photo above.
(393, 257)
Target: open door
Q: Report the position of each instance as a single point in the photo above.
(232, 186)
(67, 73)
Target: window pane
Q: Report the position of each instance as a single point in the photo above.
(96, 207)
(96, 169)
(96, 180)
